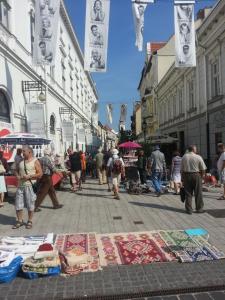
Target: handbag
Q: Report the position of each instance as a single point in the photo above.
(2, 169)
(182, 194)
(34, 185)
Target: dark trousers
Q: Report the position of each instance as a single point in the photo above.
(193, 184)
(45, 187)
(142, 174)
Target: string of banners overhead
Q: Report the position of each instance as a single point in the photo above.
(138, 8)
(123, 113)
(184, 33)
(96, 35)
(46, 24)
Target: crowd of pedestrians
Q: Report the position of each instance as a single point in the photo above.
(35, 175)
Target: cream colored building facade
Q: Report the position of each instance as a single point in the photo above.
(70, 89)
(191, 101)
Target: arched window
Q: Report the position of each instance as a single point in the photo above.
(4, 108)
(52, 124)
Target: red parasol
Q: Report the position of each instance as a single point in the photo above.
(130, 145)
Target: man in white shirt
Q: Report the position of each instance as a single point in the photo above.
(221, 168)
(116, 165)
(192, 170)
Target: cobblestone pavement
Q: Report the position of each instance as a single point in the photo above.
(93, 210)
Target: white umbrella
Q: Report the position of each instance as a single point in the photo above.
(23, 139)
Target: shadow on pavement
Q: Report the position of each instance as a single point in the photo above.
(93, 195)
(6, 220)
(163, 207)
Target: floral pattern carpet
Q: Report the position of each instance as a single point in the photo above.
(132, 248)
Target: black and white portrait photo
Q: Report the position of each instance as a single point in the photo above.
(96, 60)
(47, 7)
(185, 12)
(96, 37)
(46, 54)
(185, 33)
(46, 28)
(97, 13)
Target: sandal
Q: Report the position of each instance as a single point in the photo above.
(37, 209)
(29, 225)
(221, 198)
(17, 225)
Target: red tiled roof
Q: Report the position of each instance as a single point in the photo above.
(154, 46)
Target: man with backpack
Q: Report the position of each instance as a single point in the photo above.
(116, 165)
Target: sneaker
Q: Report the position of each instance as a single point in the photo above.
(189, 212)
(117, 197)
(158, 194)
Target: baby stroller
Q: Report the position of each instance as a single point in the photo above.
(132, 178)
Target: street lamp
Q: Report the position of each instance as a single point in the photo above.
(144, 128)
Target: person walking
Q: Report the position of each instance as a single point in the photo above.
(75, 168)
(45, 185)
(192, 171)
(83, 166)
(142, 166)
(4, 161)
(99, 166)
(156, 166)
(221, 168)
(116, 165)
(28, 171)
(3, 189)
(106, 158)
(175, 172)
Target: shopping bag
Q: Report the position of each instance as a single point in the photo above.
(182, 194)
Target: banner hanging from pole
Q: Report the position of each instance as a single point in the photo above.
(68, 131)
(123, 113)
(138, 8)
(36, 119)
(96, 35)
(46, 28)
(109, 109)
(184, 34)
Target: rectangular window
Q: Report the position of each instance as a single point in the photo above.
(174, 106)
(32, 30)
(4, 13)
(180, 99)
(52, 72)
(215, 79)
(191, 94)
(71, 85)
(63, 75)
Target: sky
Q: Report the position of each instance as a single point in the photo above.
(119, 84)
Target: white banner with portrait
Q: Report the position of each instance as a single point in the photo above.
(96, 35)
(81, 136)
(109, 109)
(184, 34)
(68, 131)
(123, 113)
(138, 8)
(36, 119)
(46, 29)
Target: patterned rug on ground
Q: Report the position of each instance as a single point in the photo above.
(78, 252)
(190, 248)
(132, 248)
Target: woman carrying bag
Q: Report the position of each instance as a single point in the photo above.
(2, 184)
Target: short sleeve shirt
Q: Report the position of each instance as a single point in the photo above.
(220, 162)
(192, 163)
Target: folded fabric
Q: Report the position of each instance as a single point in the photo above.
(43, 254)
(40, 269)
(49, 238)
(45, 262)
(13, 240)
(69, 270)
(45, 247)
(6, 258)
(74, 260)
(25, 249)
(5, 247)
